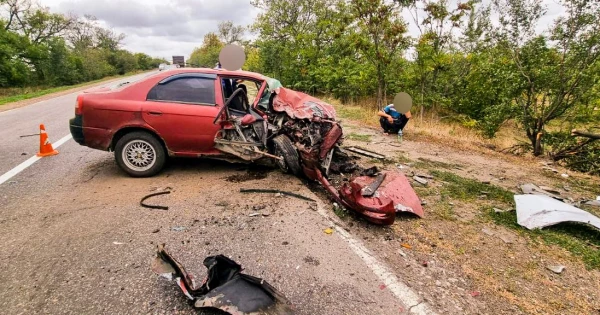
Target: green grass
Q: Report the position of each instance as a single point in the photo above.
(392, 161)
(340, 212)
(359, 137)
(581, 240)
(364, 115)
(38, 93)
(466, 189)
(583, 185)
(444, 210)
(356, 113)
(15, 95)
(429, 164)
(401, 158)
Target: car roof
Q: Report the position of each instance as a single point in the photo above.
(253, 75)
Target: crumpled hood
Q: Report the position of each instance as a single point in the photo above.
(299, 105)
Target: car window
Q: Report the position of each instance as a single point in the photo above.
(230, 84)
(185, 90)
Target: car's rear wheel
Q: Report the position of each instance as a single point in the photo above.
(285, 148)
(140, 154)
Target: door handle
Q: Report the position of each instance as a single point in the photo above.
(155, 113)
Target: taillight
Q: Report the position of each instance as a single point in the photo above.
(79, 105)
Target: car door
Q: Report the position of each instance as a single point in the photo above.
(181, 108)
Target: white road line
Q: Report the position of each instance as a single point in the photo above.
(62, 141)
(19, 168)
(405, 294)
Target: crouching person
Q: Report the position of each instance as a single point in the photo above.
(392, 121)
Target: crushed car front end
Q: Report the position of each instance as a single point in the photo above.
(312, 126)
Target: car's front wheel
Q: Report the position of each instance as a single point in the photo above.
(140, 154)
(284, 148)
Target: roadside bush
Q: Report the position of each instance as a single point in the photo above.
(576, 153)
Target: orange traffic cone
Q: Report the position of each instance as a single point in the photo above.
(46, 148)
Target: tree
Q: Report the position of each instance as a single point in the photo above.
(15, 9)
(35, 22)
(14, 69)
(229, 33)
(143, 61)
(382, 36)
(555, 71)
(108, 39)
(123, 61)
(207, 55)
(253, 60)
(293, 38)
(435, 56)
(40, 48)
(82, 32)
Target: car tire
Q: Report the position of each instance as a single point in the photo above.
(140, 154)
(284, 147)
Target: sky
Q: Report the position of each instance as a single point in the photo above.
(164, 28)
(160, 28)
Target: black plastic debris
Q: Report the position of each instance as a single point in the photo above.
(225, 287)
(346, 167)
(372, 171)
(154, 206)
(275, 191)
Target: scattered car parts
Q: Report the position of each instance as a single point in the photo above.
(420, 180)
(535, 190)
(225, 287)
(558, 269)
(364, 152)
(593, 203)
(394, 194)
(370, 189)
(154, 206)
(539, 211)
(275, 191)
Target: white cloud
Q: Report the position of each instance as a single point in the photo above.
(160, 28)
(163, 28)
(553, 10)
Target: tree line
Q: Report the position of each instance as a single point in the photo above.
(41, 48)
(483, 64)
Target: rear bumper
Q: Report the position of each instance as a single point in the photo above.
(76, 128)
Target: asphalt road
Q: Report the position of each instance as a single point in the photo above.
(76, 240)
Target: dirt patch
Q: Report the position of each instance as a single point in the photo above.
(465, 258)
(251, 174)
(311, 261)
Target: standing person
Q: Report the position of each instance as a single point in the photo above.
(391, 120)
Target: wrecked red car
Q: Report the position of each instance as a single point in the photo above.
(229, 115)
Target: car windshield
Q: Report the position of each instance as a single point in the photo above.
(273, 84)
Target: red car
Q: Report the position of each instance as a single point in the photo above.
(196, 113)
(230, 115)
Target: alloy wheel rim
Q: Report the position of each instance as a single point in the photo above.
(139, 155)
